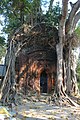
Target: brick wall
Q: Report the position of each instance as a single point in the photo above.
(29, 68)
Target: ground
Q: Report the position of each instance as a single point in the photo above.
(31, 108)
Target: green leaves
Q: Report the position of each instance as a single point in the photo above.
(78, 31)
(53, 16)
(2, 41)
(2, 47)
(18, 12)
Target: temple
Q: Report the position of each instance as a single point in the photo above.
(37, 61)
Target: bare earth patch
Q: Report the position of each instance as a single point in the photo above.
(41, 110)
(31, 108)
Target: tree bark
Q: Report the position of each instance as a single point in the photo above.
(64, 75)
(12, 70)
(59, 48)
(73, 74)
(9, 80)
(69, 71)
(76, 19)
(32, 22)
(69, 22)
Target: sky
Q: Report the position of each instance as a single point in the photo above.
(73, 1)
(45, 8)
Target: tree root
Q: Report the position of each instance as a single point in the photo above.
(64, 101)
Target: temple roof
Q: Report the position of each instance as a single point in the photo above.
(39, 34)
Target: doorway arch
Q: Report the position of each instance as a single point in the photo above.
(43, 82)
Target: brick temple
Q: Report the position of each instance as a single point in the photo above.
(37, 61)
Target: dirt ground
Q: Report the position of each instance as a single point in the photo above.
(30, 108)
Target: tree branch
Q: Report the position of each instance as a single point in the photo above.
(76, 19)
(63, 19)
(75, 8)
(50, 6)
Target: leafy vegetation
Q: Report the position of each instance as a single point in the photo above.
(19, 12)
(2, 47)
(15, 14)
(77, 30)
(53, 16)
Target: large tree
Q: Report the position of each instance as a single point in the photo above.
(66, 33)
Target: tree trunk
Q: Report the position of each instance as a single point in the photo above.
(59, 48)
(59, 84)
(69, 23)
(69, 71)
(73, 74)
(13, 65)
(64, 75)
(9, 79)
(74, 83)
(32, 22)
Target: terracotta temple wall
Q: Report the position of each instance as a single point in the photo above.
(29, 69)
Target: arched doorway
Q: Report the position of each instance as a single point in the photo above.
(43, 82)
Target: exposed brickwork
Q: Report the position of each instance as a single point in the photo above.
(29, 69)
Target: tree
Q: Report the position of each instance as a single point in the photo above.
(17, 13)
(53, 14)
(66, 30)
(14, 13)
(59, 48)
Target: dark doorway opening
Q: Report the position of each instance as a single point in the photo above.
(43, 82)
